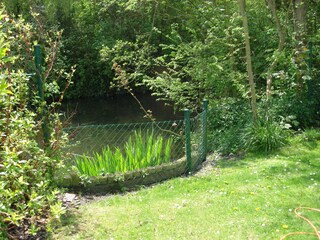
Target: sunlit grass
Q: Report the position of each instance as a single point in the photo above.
(250, 198)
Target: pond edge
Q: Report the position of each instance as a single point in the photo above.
(123, 181)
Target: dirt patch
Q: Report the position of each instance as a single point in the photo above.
(209, 166)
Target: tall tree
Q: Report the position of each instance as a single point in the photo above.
(282, 38)
(242, 6)
(300, 16)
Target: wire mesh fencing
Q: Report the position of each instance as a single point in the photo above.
(196, 138)
(91, 139)
(181, 142)
(197, 142)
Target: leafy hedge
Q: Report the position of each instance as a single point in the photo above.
(28, 199)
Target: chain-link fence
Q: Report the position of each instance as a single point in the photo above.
(91, 139)
(187, 141)
(198, 151)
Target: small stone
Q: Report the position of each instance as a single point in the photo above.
(69, 197)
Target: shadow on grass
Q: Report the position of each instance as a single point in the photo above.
(243, 160)
(303, 180)
(310, 145)
(303, 152)
(69, 221)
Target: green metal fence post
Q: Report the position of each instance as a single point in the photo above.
(37, 60)
(188, 140)
(204, 130)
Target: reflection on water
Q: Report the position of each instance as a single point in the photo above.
(116, 109)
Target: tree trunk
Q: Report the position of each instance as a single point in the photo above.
(300, 28)
(282, 38)
(300, 17)
(242, 6)
(280, 31)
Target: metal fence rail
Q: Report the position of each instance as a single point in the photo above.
(198, 139)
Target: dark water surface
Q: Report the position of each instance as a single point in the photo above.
(117, 109)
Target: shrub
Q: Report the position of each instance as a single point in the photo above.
(226, 119)
(28, 199)
(311, 135)
(264, 136)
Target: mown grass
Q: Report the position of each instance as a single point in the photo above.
(249, 198)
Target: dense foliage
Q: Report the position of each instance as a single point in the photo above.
(256, 61)
(28, 199)
(183, 51)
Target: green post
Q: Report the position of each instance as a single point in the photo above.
(188, 140)
(37, 60)
(204, 129)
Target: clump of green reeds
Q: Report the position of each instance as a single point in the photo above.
(140, 151)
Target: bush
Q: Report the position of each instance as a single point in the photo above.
(264, 136)
(311, 135)
(226, 119)
(28, 199)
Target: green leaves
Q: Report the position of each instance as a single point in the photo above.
(264, 136)
(26, 167)
(3, 49)
(4, 88)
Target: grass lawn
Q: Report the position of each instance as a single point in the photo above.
(250, 198)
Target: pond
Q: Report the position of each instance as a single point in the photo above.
(116, 109)
(97, 123)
